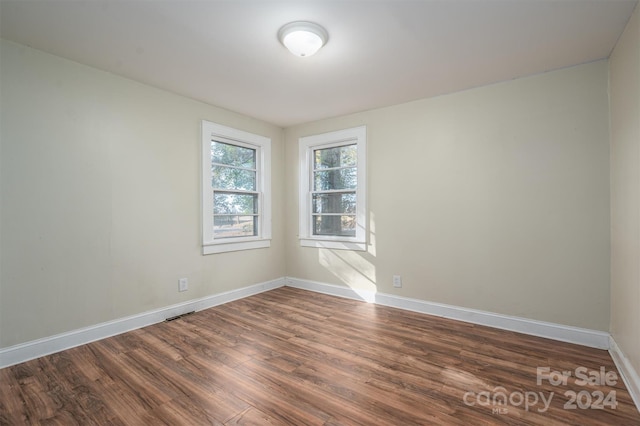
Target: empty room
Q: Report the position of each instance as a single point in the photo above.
(320, 212)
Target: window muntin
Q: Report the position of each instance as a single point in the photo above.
(236, 189)
(332, 189)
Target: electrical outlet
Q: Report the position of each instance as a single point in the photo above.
(397, 281)
(183, 284)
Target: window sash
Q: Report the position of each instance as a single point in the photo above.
(314, 170)
(309, 146)
(258, 233)
(238, 191)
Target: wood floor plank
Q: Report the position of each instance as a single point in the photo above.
(254, 417)
(292, 357)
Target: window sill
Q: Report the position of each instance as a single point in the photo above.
(235, 246)
(336, 245)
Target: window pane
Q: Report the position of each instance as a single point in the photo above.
(228, 178)
(232, 155)
(335, 225)
(235, 226)
(342, 202)
(324, 180)
(234, 203)
(340, 156)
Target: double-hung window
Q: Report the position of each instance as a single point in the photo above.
(332, 190)
(236, 180)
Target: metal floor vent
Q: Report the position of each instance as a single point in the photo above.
(179, 316)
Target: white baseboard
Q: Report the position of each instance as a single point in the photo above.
(629, 375)
(48, 345)
(564, 333)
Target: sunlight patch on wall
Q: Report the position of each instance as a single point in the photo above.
(372, 235)
(352, 269)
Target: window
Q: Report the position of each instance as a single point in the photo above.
(332, 189)
(236, 189)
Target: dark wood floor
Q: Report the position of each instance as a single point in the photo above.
(292, 357)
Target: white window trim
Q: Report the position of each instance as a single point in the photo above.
(306, 146)
(262, 144)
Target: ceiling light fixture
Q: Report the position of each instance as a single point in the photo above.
(303, 38)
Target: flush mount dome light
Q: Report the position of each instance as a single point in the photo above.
(303, 38)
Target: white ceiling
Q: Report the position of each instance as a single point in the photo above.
(379, 53)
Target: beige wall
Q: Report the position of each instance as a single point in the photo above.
(495, 198)
(100, 181)
(625, 191)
